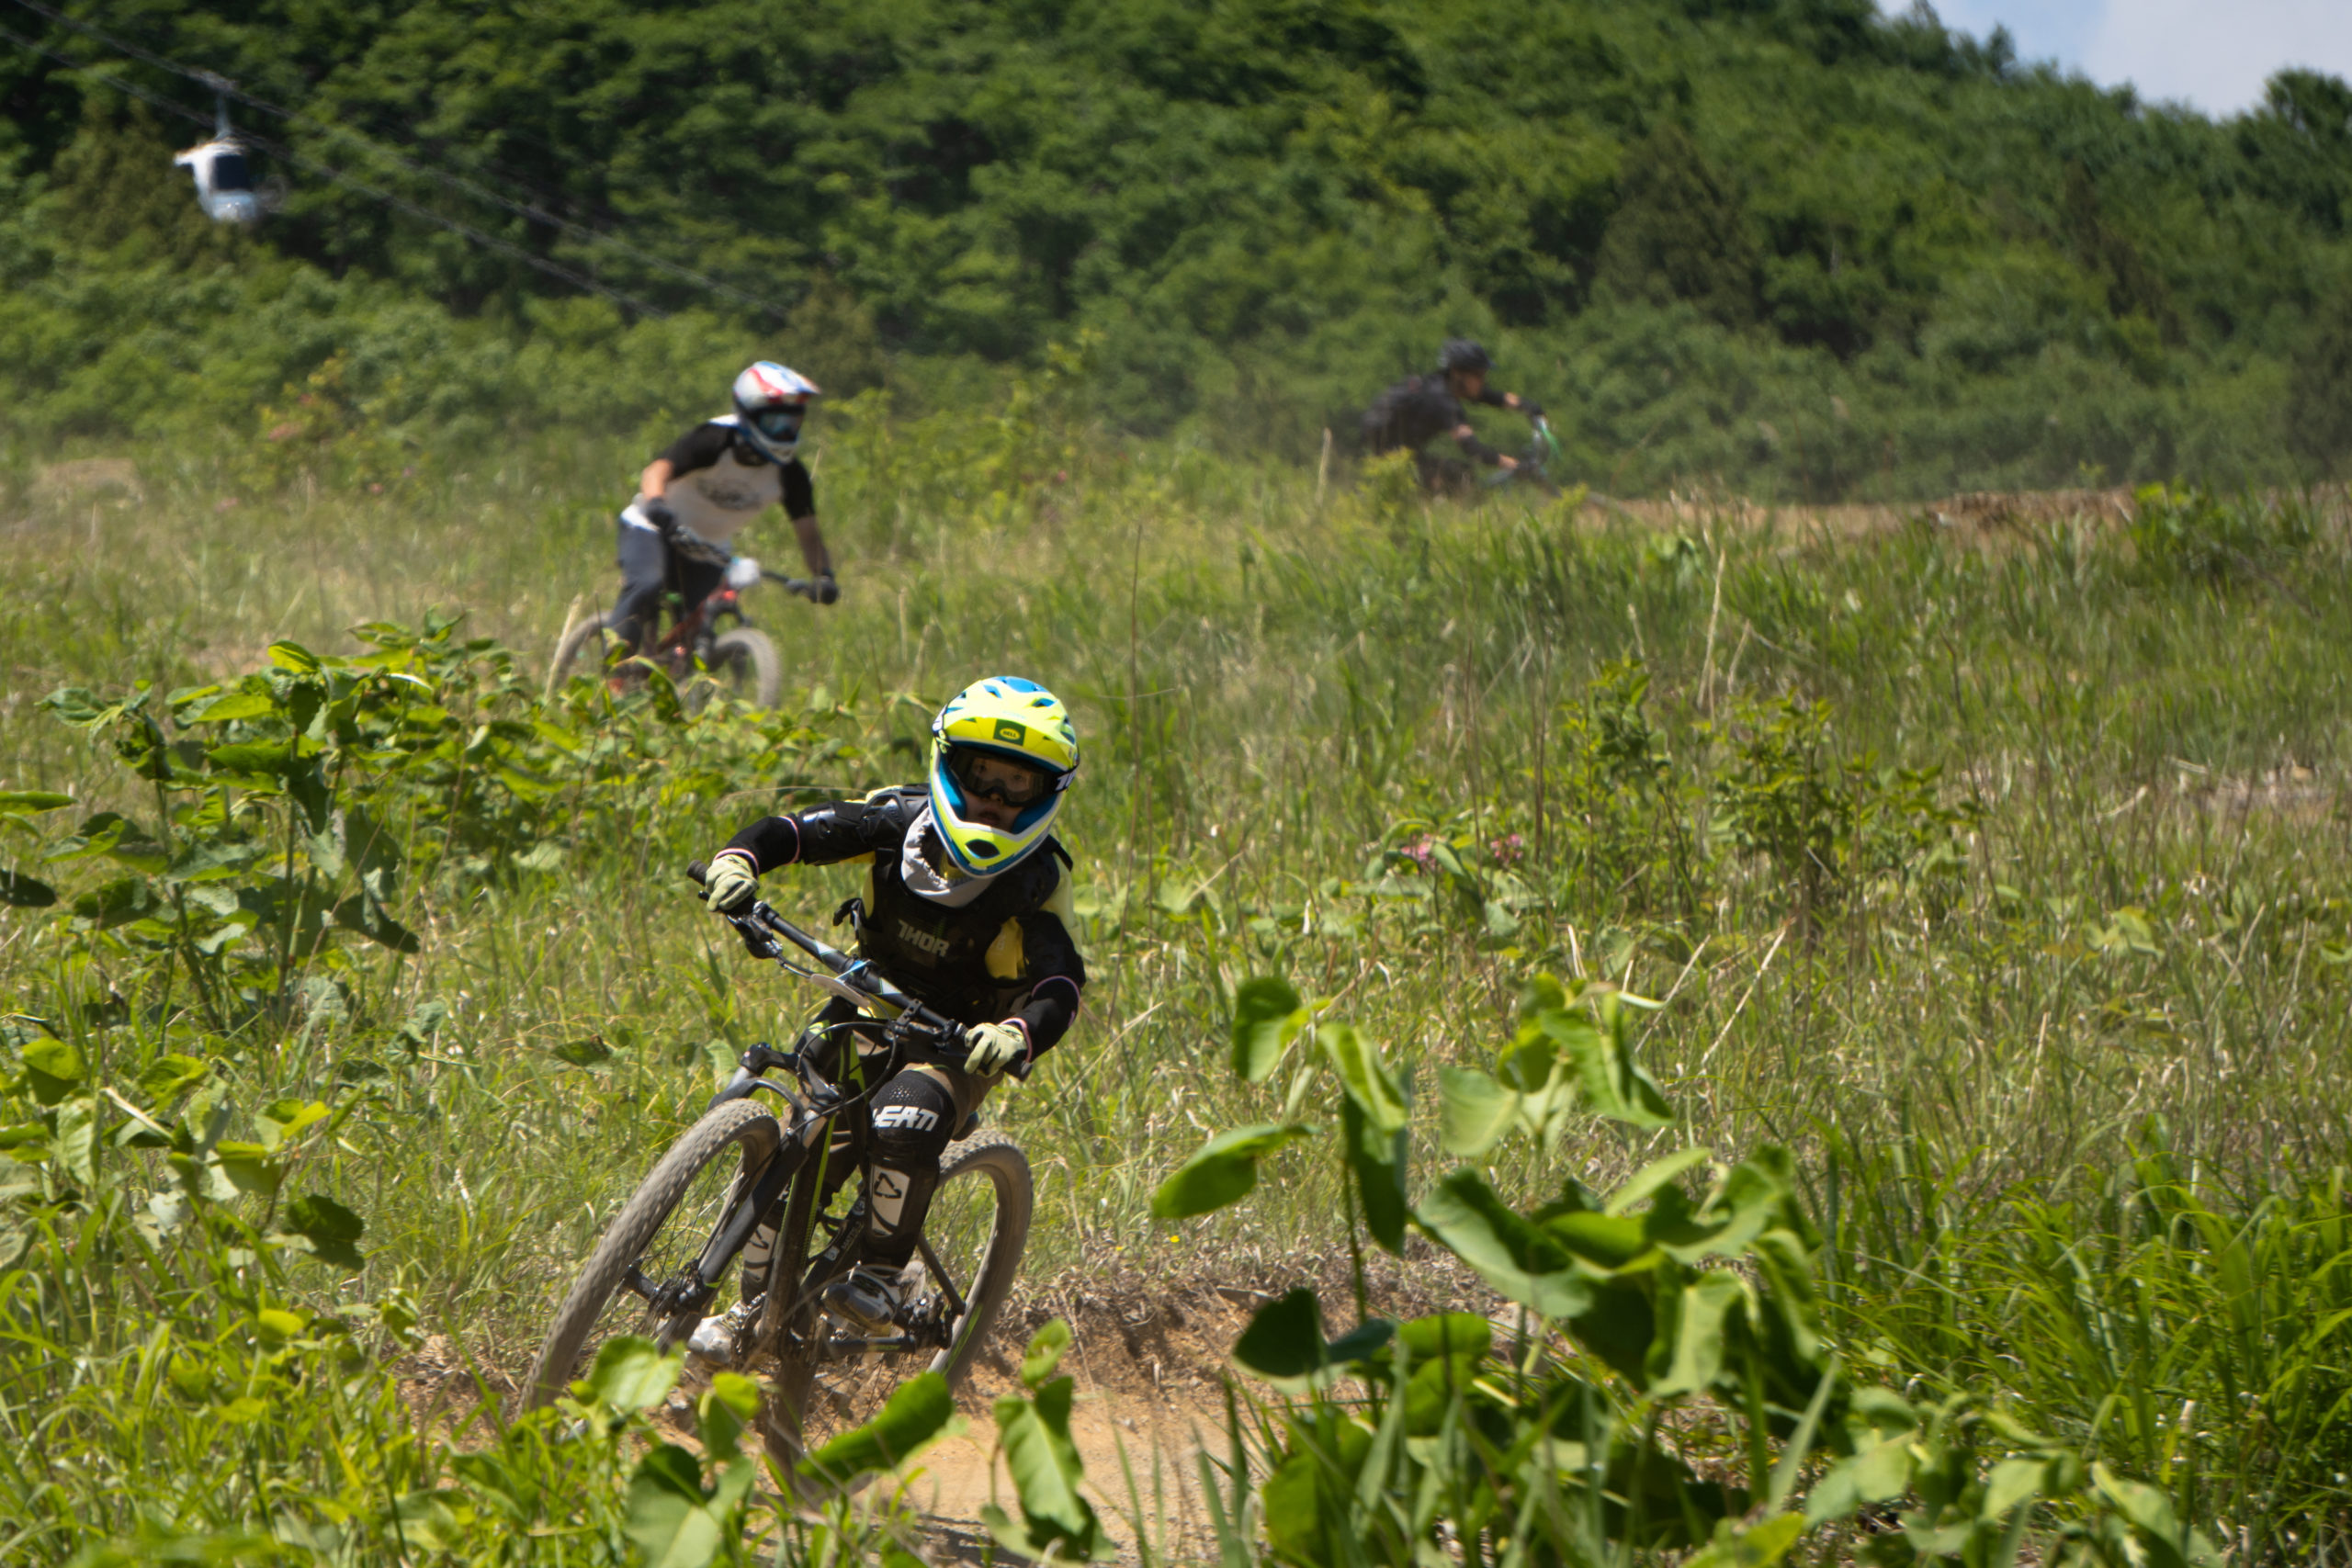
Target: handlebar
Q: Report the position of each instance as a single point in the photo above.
(854, 980)
(804, 586)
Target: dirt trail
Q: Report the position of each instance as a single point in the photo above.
(1149, 1356)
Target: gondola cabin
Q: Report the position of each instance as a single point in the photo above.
(224, 180)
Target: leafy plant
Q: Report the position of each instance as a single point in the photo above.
(1669, 1342)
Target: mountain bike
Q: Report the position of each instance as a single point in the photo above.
(766, 1151)
(742, 658)
(1534, 464)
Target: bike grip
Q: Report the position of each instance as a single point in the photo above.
(697, 873)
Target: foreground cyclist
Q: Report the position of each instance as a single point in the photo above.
(695, 497)
(1418, 409)
(968, 909)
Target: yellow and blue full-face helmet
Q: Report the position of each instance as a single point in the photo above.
(1001, 746)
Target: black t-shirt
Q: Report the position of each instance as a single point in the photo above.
(1007, 953)
(709, 444)
(1410, 413)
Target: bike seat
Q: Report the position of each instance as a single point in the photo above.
(971, 1125)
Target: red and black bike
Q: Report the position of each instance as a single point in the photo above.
(740, 658)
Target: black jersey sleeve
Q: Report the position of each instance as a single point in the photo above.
(700, 447)
(1058, 974)
(824, 835)
(799, 490)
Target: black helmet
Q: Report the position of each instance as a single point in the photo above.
(1461, 354)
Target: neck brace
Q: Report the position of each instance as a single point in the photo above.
(951, 888)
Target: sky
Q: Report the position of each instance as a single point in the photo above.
(2211, 54)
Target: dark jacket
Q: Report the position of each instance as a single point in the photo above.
(1410, 415)
(1008, 954)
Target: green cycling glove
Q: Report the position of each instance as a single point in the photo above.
(993, 1047)
(729, 885)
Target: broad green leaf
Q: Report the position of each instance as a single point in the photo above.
(1474, 1111)
(1378, 1160)
(53, 1069)
(1366, 1077)
(669, 1517)
(582, 1052)
(1759, 1546)
(1266, 1018)
(1876, 1474)
(725, 1409)
(256, 758)
(1602, 1241)
(76, 1149)
(1655, 1175)
(915, 1413)
(166, 1075)
(1045, 1470)
(1224, 1170)
(1507, 1249)
(294, 657)
(631, 1373)
(231, 706)
(26, 891)
(1285, 1342)
(118, 903)
(249, 1167)
(329, 1227)
(1446, 1334)
(278, 1326)
(2013, 1481)
(32, 802)
(1695, 1333)
(1613, 1083)
(281, 1119)
(1046, 1348)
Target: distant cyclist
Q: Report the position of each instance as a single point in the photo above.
(694, 498)
(968, 907)
(1418, 409)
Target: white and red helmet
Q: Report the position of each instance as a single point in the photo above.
(771, 400)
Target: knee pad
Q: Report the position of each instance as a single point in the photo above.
(913, 1117)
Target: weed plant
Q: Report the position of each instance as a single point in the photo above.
(1974, 869)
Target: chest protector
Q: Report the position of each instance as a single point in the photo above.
(958, 960)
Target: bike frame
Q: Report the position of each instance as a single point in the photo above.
(912, 1033)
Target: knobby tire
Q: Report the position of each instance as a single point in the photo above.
(738, 1124)
(791, 1315)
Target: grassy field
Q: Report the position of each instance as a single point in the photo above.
(1999, 870)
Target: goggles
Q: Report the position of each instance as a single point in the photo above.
(995, 777)
(780, 424)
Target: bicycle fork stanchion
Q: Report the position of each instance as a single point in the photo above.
(767, 1189)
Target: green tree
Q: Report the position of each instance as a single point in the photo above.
(2319, 387)
(1679, 233)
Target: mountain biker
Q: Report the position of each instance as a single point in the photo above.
(1407, 415)
(967, 907)
(693, 498)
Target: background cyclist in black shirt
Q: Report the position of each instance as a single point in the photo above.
(694, 498)
(1413, 411)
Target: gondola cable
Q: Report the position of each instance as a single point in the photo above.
(456, 182)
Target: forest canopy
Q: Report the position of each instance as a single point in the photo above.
(1793, 245)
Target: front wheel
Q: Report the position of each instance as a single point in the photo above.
(585, 638)
(978, 1228)
(641, 1278)
(746, 660)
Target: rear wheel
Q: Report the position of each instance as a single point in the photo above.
(824, 1383)
(745, 660)
(640, 1278)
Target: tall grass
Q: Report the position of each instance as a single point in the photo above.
(1957, 861)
